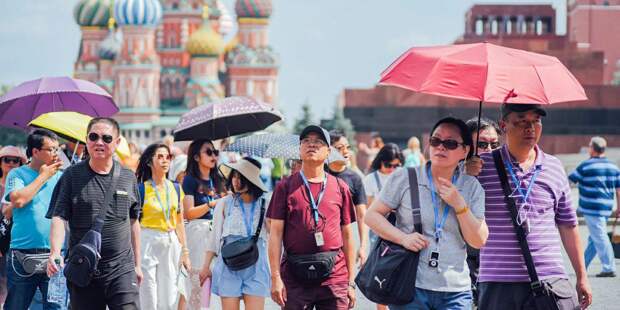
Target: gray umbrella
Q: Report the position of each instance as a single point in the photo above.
(274, 145)
(228, 117)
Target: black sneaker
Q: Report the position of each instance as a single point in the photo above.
(606, 274)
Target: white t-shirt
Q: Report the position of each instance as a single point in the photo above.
(370, 183)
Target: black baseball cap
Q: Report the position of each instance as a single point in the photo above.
(323, 134)
(508, 108)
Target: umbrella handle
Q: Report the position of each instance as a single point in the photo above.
(478, 127)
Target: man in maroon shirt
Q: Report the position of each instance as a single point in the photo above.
(311, 214)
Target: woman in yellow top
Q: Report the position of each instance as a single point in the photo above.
(163, 233)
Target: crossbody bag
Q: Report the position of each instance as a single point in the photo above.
(243, 253)
(81, 265)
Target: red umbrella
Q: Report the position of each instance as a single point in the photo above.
(484, 72)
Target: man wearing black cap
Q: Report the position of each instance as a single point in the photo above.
(541, 194)
(311, 214)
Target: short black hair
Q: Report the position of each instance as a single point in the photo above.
(252, 189)
(335, 135)
(108, 120)
(35, 140)
(485, 123)
(386, 154)
(463, 131)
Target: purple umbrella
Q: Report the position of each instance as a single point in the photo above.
(28, 100)
(228, 117)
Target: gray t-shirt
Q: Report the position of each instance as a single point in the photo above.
(452, 275)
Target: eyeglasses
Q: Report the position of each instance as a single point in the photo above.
(448, 143)
(11, 160)
(211, 152)
(318, 142)
(51, 149)
(343, 147)
(94, 137)
(523, 123)
(162, 156)
(484, 145)
(391, 166)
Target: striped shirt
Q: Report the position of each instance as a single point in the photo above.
(501, 259)
(598, 179)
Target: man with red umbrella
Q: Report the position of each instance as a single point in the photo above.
(538, 185)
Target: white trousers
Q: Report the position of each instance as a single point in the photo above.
(197, 232)
(161, 253)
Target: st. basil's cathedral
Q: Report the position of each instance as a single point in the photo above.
(160, 59)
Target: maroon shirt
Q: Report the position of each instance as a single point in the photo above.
(290, 203)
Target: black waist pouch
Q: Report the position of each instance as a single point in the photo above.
(81, 265)
(240, 254)
(312, 268)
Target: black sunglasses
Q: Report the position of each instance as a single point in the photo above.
(484, 145)
(11, 160)
(448, 143)
(388, 165)
(94, 137)
(211, 152)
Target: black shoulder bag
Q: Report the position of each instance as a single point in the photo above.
(389, 274)
(544, 297)
(243, 253)
(81, 265)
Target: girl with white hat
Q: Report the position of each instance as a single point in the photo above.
(239, 226)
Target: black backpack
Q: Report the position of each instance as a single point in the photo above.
(388, 276)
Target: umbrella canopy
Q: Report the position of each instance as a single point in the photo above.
(228, 117)
(274, 145)
(484, 72)
(73, 126)
(30, 99)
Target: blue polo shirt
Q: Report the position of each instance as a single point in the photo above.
(31, 229)
(598, 179)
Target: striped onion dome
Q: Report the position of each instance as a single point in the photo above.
(137, 12)
(226, 21)
(253, 8)
(92, 13)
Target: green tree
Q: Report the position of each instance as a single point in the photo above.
(305, 120)
(340, 122)
(10, 136)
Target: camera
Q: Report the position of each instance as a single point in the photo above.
(434, 260)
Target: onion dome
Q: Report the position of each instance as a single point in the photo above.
(253, 8)
(92, 13)
(226, 21)
(205, 41)
(137, 12)
(111, 45)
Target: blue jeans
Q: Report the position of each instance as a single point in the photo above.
(598, 243)
(22, 288)
(427, 300)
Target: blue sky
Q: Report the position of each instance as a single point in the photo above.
(324, 45)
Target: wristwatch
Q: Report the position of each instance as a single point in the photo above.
(352, 284)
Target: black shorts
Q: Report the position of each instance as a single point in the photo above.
(121, 292)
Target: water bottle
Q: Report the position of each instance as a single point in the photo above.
(57, 287)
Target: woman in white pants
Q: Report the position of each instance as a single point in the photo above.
(203, 185)
(162, 238)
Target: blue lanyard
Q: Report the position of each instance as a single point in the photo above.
(436, 205)
(161, 205)
(211, 188)
(518, 183)
(248, 225)
(313, 203)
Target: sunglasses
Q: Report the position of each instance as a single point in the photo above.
(11, 160)
(484, 145)
(389, 166)
(211, 152)
(94, 137)
(162, 156)
(448, 143)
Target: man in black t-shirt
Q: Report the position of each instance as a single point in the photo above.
(356, 186)
(77, 199)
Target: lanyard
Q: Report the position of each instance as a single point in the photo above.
(436, 205)
(314, 204)
(518, 183)
(248, 225)
(161, 205)
(211, 188)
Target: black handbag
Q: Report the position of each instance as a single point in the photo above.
(389, 274)
(243, 253)
(544, 298)
(312, 268)
(81, 264)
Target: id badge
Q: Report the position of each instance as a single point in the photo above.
(318, 238)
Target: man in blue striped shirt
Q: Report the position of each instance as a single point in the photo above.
(599, 180)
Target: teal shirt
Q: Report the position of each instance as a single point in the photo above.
(31, 229)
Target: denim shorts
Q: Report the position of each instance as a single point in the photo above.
(426, 299)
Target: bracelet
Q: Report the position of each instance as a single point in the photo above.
(463, 210)
(352, 285)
